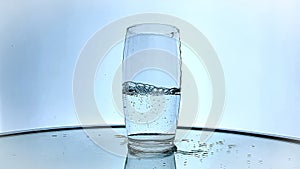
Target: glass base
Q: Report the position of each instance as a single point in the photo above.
(151, 143)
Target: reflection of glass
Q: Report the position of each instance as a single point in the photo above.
(151, 86)
(146, 161)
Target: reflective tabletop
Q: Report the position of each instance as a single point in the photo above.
(97, 147)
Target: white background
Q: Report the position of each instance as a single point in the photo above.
(257, 43)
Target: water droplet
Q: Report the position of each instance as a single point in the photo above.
(204, 154)
(187, 140)
(220, 142)
(230, 146)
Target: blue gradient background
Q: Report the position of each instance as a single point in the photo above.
(257, 43)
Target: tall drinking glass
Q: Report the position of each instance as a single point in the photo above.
(151, 86)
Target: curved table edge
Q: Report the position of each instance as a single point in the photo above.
(219, 130)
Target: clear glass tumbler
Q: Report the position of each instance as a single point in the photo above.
(151, 86)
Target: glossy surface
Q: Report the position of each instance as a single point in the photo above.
(105, 147)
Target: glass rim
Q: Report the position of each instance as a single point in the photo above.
(153, 28)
